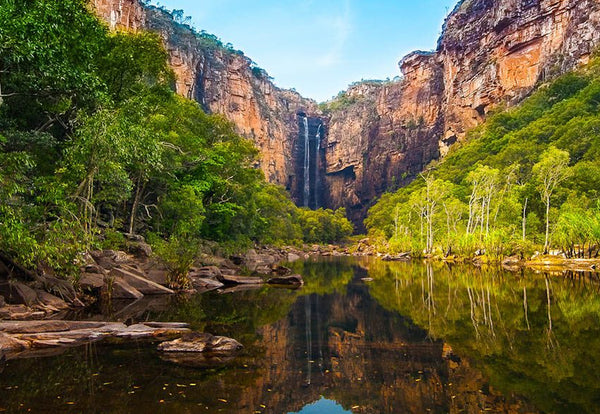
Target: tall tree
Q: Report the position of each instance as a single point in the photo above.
(551, 170)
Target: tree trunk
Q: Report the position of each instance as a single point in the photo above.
(547, 225)
(525, 220)
(136, 203)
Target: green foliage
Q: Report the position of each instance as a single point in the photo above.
(94, 143)
(527, 161)
(341, 101)
(322, 225)
(178, 253)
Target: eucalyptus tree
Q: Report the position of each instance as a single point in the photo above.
(550, 172)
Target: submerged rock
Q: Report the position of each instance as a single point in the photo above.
(293, 280)
(201, 342)
(196, 359)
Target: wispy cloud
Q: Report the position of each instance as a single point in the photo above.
(336, 29)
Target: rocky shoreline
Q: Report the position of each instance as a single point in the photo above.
(108, 275)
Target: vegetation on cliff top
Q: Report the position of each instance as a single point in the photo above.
(526, 179)
(93, 141)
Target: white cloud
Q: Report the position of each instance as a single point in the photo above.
(337, 30)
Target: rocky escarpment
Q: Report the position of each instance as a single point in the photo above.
(490, 52)
(384, 133)
(226, 82)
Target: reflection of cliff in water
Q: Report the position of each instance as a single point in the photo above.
(349, 349)
(340, 344)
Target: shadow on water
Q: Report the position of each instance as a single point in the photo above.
(418, 338)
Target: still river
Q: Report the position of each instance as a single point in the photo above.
(417, 338)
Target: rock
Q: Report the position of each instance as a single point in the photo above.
(138, 309)
(49, 334)
(238, 288)
(4, 271)
(120, 289)
(206, 272)
(201, 342)
(205, 285)
(159, 276)
(237, 260)
(94, 268)
(145, 286)
(20, 312)
(50, 301)
(59, 287)
(91, 281)
(140, 249)
(511, 261)
(400, 257)
(20, 327)
(18, 293)
(281, 270)
(293, 280)
(2, 301)
(196, 359)
(292, 257)
(239, 280)
(9, 344)
(167, 325)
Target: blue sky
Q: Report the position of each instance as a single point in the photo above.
(319, 47)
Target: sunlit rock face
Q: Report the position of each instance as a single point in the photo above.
(226, 82)
(121, 14)
(490, 52)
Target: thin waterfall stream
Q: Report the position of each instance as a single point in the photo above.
(306, 162)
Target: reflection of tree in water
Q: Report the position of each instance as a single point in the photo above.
(537, 336)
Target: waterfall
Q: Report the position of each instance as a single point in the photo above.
(318, 139)
(308, 332)
(306, 163)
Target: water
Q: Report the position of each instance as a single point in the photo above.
(416, 339)
(306, 162)
(317, 178)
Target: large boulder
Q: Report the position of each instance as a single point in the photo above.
(120, 289)
(50, 301)
(204, 285)
(18, 293)
(160, 276)
(201, 342)
(206, 272)
(58, 287)
(91, 281)
(146, 286)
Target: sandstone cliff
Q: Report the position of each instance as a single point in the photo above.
(226, 82)
(490, 52)
(384, 133)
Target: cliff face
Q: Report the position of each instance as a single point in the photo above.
(385, 133)
(226, 82)
(490, 52)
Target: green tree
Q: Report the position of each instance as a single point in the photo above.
(551, 171)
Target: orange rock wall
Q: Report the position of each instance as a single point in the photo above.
(223, 82)
(490, 52)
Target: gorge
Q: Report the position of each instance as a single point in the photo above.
(378, 136)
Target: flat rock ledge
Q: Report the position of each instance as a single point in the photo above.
(21, 336)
